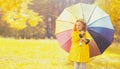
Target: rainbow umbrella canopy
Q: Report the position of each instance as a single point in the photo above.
(98, 23)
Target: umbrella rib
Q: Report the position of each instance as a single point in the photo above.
(63, 31)
(65, 21)
(97, 20)
(66, 41)
(71, 13)
(91, 14)
(99, 34)
(82, 11)
(99, 41)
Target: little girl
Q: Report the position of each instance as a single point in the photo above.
(79, 51)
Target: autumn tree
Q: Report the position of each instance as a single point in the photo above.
(16, 19)
(17, 14)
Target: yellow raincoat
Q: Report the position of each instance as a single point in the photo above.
(79, 53)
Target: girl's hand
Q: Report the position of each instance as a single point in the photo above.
(83, 39)
(82, 32)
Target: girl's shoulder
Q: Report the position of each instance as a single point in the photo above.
(88, 35)
(75, 32)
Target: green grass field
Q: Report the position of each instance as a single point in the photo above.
(47, 54)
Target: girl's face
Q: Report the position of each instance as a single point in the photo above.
(79, 26)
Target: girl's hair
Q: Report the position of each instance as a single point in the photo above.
(81, 21)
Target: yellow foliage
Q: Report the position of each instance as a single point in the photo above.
(112, 7)
(33, 18)
(17, 14)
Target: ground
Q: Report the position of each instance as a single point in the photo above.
(47, 54)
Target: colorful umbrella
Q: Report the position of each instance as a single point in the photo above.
(98, 23)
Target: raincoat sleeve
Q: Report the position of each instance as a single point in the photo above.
(75, 37)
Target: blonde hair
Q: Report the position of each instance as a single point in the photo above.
(81, 21)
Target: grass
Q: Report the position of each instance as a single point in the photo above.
(47, 54)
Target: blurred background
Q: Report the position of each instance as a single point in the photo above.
(32, 18)
(27, 25)
(26, 19)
